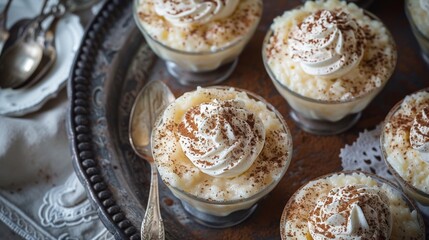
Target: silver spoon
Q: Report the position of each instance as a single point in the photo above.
(18, 29)
(148, 105)
(47, 39)
(4, 33)
(19, 62)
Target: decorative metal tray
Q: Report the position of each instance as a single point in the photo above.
(113, 63)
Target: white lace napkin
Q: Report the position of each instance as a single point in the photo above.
(365, 154)
(40, 195)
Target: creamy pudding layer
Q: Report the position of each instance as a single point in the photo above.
(406, 140)
(330, 50)
(220, 145)
(199, 26)
(349, 206)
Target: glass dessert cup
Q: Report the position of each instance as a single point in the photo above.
(380, 181)
(323, 117)
(422, 39)
(227, 213)
(421, 198)
(197, 68)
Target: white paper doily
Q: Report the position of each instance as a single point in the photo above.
(365, 154)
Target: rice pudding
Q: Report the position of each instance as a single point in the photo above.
(221, 149)
(329, 59)
(405, 144)
(350, 205)
(198, 35)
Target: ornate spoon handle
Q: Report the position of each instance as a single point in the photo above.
(152, 225)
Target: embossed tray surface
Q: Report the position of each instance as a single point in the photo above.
(112, 65)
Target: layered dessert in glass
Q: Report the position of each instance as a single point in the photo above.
(405, 145)
(350, 205)
(417, 12)
(329, 59)
(220, 150)
(199, 40)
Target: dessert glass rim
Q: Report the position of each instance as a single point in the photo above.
(218, 50)
(321, 101)
(397, 176)
(270, 186)
(409, 201)
(413, 24)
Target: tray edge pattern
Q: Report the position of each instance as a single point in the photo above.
(78, 126)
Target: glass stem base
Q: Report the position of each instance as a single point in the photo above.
(323, 127)
(213, 221)
(213, 77)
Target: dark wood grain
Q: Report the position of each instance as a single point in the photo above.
(316, 155)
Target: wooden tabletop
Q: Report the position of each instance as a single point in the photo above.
(315, 155)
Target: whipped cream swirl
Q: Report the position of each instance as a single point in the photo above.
(188, 12)
(425, 5)
(221, 138)
(419, 133)
(327, 43)
(352, 212)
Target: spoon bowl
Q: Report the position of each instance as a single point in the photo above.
(19, 62)
(49, 56)
(47, 39)
(148, 105)
(19, 28)
(15, 32)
